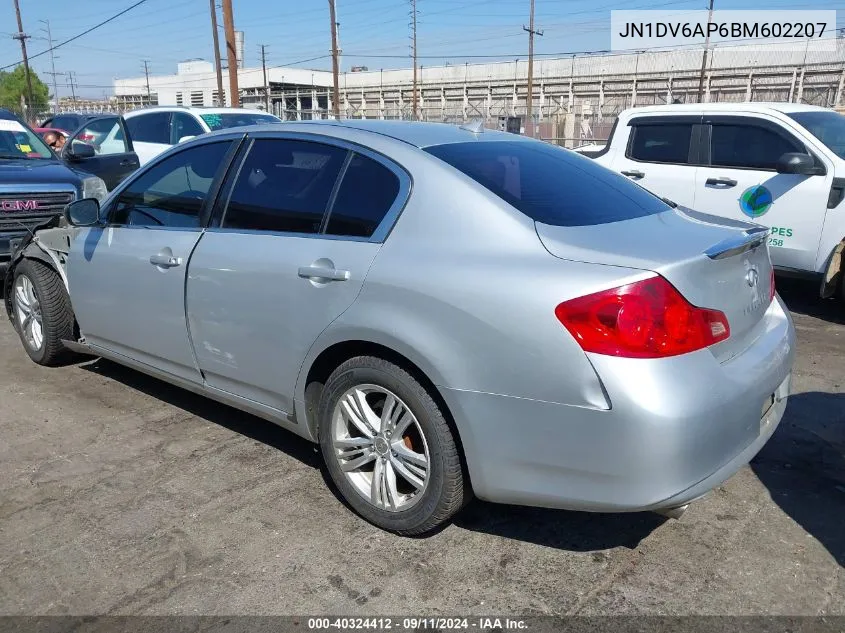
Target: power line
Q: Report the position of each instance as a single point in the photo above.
(76, 37)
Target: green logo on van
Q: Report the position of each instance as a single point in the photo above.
(755, 201)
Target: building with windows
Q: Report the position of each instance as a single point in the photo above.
(576, 95)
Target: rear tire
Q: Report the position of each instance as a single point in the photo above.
(402, 440)
(42, 312)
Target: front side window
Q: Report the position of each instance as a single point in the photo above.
(185, 125)
(284, 185)
(661, 143)
(153, 127)
(748, 146)
(104, 135)
(549, 184)
(366, 193)
(828, 127)
(172, 192)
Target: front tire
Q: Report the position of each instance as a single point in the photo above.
(388, 447)
(42, 312)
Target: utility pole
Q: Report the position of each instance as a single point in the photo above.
(147, 75)
(414, 56)
(530, 98)
(22, 37)
(218, 66)
(72, 89)
(704, 57)
(335, 65)
(231, 53)
(52, 65)
(266, 85)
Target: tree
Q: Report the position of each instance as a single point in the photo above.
(13, 85)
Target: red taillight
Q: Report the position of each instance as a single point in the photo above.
(772, 289)
(646, 319)
(86, 137)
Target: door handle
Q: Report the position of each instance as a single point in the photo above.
(721, 181)
(321, 273)
(165, 261)
(634, 173)
(127, 161)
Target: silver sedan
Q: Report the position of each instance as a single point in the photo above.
(446, 310)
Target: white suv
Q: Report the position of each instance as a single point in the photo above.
(777, 164)
(156, 129)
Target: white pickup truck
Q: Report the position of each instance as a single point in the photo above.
(778, 164)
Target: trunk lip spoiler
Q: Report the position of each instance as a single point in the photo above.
(742, 242)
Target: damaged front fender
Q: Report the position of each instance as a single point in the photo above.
(48, 242)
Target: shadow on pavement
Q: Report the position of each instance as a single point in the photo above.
(560, 529)
(803, 467)
(803, 297)
(237, 421)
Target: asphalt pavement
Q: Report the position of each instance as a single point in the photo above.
(122, 495)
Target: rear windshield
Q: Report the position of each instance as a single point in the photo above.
(550, 184)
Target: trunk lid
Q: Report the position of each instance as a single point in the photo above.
(713, 262)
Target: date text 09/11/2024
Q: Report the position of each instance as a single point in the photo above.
(416, 624)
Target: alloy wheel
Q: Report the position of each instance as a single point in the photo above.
(380, 447)
(29, 313)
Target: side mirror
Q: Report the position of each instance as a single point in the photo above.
(80, 151)
(84, 212)
(796, 163)
(186, 138)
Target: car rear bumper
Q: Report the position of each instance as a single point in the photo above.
(676, 428)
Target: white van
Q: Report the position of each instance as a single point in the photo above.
(777, 164)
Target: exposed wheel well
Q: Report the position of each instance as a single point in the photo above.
(332, 357)
(833, 282)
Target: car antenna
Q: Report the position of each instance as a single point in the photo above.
(476, 126)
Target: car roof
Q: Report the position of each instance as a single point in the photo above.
(752, 106)
(196, 110)
(417, 133)
(7, 115)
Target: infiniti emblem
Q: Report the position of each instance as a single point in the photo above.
(751, 277)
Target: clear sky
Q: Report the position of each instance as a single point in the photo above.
(373, 33)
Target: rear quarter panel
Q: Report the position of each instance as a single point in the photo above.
(464, 289)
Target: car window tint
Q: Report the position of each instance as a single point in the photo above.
(104, 135)
(153, 127)
(173, 191)
(66, 122)
(661, 143)
(366, 193)
(185, 125)
(748, 146)
(550, 184)
(284, 185)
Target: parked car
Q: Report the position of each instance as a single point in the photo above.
(35, 184)
(158, 128)
(445, 311)
(69, 122)
(778, 164)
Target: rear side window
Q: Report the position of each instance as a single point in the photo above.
(660, 143)
(367, 192)
(284, 186)
(153, 127)
(549, 184)
(748, 146)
